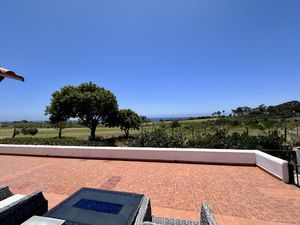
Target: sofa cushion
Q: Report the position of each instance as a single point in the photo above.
(10, 200)
(39, 220)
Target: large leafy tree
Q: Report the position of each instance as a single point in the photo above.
(128, 119)
(93, 105)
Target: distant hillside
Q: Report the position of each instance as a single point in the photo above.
(287, 109)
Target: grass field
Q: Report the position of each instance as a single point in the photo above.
(82, 133)
(186, 126)
(189, 121)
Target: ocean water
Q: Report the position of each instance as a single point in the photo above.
(166, 118)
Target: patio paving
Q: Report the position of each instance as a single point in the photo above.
(237, 194)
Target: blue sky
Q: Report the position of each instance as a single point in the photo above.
(160, 58)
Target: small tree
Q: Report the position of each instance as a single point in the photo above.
(60, 109)
(144, 119)
(58, 124)
(175, 124)
(16, 132)
(128, 119)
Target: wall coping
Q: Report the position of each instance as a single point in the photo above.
(130, 148)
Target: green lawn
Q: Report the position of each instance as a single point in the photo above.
(6, 132)
(187, 127)
(82, 133)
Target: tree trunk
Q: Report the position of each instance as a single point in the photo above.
(14, 133)
(285, 134)
(93, 133)
(126, 133)
(59, 133)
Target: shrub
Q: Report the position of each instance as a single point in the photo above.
(157, 138)
(296, 143)
(221, 139)
(30, 131)
(222, 121)
(271, 141)
(57, 141)
(175, 124)
(234, 122)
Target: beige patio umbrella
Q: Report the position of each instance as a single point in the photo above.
(9, 74)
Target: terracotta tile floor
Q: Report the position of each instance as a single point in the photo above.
(238, 195)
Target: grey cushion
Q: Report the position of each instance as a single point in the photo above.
(39, 220)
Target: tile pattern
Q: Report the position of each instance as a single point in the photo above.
(237, 194)
(111, 183)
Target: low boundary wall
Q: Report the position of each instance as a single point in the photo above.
(273, 165)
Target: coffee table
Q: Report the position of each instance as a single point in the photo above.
(96, 207)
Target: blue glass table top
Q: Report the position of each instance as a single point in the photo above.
(99, 206)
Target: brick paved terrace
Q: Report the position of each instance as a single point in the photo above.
(237, 194)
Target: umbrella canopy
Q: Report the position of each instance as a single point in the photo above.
(9, 74)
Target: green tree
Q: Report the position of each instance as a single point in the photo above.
(16, 132)
(175, 124)
(93, 105)
(60, 108)
(144, 119)
(128, 119)
(59, 124)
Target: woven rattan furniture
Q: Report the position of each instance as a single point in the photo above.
(23, 208)
(206, 218)
(142, 214)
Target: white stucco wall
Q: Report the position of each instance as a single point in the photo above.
(273, 165)
(276, 166)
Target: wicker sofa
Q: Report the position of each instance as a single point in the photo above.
(206, 218)
(22, 208)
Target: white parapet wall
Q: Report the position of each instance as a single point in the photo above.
(273, 165)
(276, 166)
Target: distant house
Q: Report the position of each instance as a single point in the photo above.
(9, 74)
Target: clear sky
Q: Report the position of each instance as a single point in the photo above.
(159, 57)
